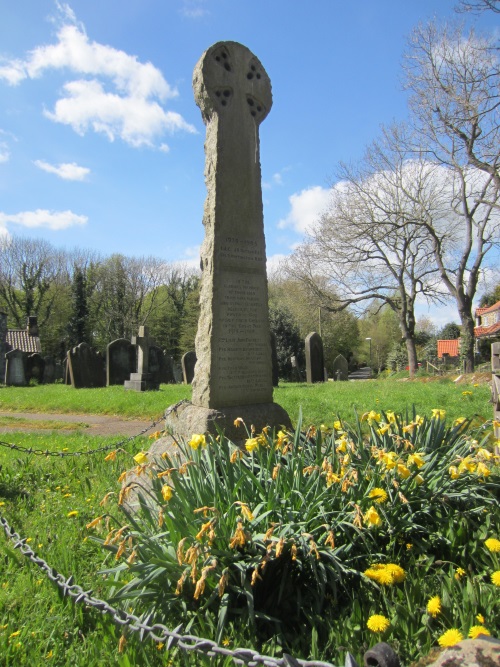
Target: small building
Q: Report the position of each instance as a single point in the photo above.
(27, 340)
(448, 349)
(487, 321)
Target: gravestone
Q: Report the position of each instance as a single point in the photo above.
(167, 369)
(3, 343)
(15, 374)
(120, 361)
(340, 368)
(35, 367)
(155, 363)
(142, 380)
(188, 363)
(86, 367)
(49, 371)
(233, 373)
(296, 372)
(177, 369)
(495, 386)
(315, 365)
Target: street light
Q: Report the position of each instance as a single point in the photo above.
(370, 349)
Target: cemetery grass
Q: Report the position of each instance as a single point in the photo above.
(319, 403)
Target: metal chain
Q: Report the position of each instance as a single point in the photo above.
(157, 631)
(107, 448)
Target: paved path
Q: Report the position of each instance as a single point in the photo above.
(95, 424)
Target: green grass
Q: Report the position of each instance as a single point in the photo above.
(319, 402)
(40, 424)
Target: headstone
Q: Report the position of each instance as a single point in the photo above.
(154, 364)
(296, 372)
(315, 367)
(120, 361)
(49, 371)
(177, 368)
(35, 367)
(340, 368)
(86, 367)
(15, 374)
(3, 343)
(142, 380)
(274, 360)
(495, 385)
(167, 369)
(188, 363)
(233, 374)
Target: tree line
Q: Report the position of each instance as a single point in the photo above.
(418, 216)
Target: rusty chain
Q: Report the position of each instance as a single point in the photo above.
(98, 450)
(157, 632)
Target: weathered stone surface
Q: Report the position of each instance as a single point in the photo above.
(233, 345)
(340, 368)
(50, 370)
(315, 364)
(35, 367)
(481, 652)
(188, 419)
(188, 363)
(120, 361)
(15, 373)
(86, 367)
(143, 379)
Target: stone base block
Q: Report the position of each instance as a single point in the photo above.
(141, 382)
(184, 419)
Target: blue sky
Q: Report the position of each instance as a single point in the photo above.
(101, 142)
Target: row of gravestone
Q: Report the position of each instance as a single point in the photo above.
(85, 367)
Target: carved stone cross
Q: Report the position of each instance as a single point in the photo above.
(233, 372)
(142, 342)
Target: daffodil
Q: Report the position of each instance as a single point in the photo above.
(416, 459)
(197, 440)
(438, 413)
(372, 517)
(251, 444)
(141, 458)
(166, 492)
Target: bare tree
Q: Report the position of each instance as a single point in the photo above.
(370, 243)
(30, 271)
(479, 6)
(454, 82)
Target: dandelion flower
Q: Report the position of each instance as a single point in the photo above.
(197, 440)
(450, 638)
(434, 606)
(477, 630)
(379, 495)
(459, 573)
(492, 544)
(377, 623)
(495, 578)
(72, 514)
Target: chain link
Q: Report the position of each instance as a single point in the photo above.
(157, 632)
(98, 450)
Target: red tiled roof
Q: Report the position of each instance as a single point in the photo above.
(19, 339)
(481, 332)
(488, 309)
(450, 347)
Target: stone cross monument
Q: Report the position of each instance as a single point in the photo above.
(142, 380)
(233, 373)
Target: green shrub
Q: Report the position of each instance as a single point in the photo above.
(303, 539)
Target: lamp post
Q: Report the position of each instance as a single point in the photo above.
(370, 350)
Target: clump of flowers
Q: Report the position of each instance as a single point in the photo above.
(385, 574)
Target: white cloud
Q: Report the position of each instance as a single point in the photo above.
(273, 262)
(54, 220)
(4, 152)
(114, 93)
(193, 9)
(306, 208)
(69, 171)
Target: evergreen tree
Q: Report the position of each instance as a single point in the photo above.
(288, 340)
(77, 327)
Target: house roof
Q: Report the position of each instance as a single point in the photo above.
(451, 347)
(20, 339)
(488, 309)
(483, 332)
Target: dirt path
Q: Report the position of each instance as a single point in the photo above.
(94, 424)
